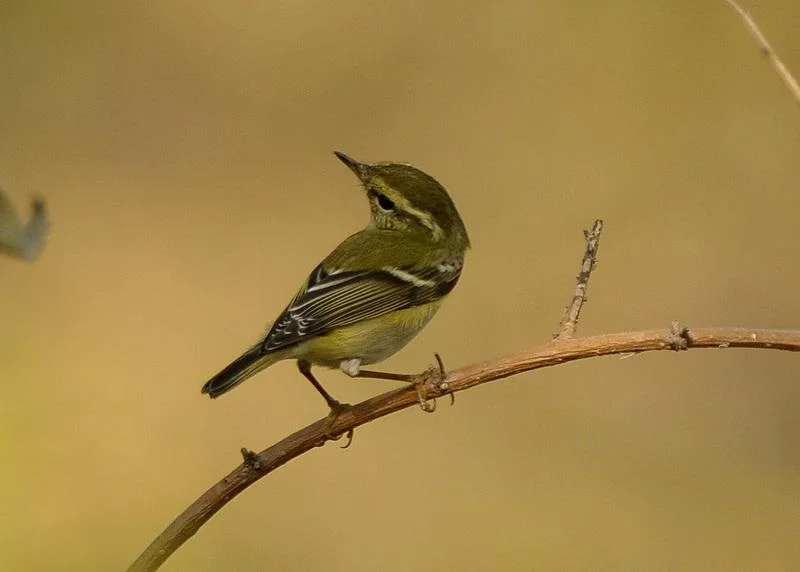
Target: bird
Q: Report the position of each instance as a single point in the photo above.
(375, 291)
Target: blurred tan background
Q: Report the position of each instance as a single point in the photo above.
(184, 149)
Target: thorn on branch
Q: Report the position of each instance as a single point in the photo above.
(251, 459)
(679, 338)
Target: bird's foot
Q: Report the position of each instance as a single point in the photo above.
(337, 409)
(432, 378)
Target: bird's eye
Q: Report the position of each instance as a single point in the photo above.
(385, 202)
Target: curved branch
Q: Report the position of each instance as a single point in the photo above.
(558, 351)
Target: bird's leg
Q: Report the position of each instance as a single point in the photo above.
(335, 406)
(407, 377)
(418, 380)
(305, 368)
(353, 369)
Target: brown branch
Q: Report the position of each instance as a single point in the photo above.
(766, 49)
(553, 353)
(569, 322)
(562, 349)
(432, 384)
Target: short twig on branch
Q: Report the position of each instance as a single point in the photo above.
(766, 49)
(563, 349)
(572, 312)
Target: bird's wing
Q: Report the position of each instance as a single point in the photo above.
(334, 298)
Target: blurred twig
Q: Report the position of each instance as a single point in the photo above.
(766, 49)
(558, 351)
(24, 241)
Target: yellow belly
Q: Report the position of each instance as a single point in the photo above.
(370, 341)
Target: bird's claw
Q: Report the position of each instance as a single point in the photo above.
(337, 409)
(433, 378)
(427, 405)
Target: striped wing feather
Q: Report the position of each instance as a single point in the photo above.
(335, 299)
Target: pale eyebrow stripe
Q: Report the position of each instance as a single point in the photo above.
(425, 218)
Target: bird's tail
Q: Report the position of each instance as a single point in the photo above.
(245, 366)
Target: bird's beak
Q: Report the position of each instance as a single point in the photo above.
(360, 169)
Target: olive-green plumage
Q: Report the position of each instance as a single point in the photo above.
(376, 290)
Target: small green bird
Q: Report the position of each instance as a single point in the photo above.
(375, 291)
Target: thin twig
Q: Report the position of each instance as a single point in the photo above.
(766, 49)
(550, 354)
(572, 312)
